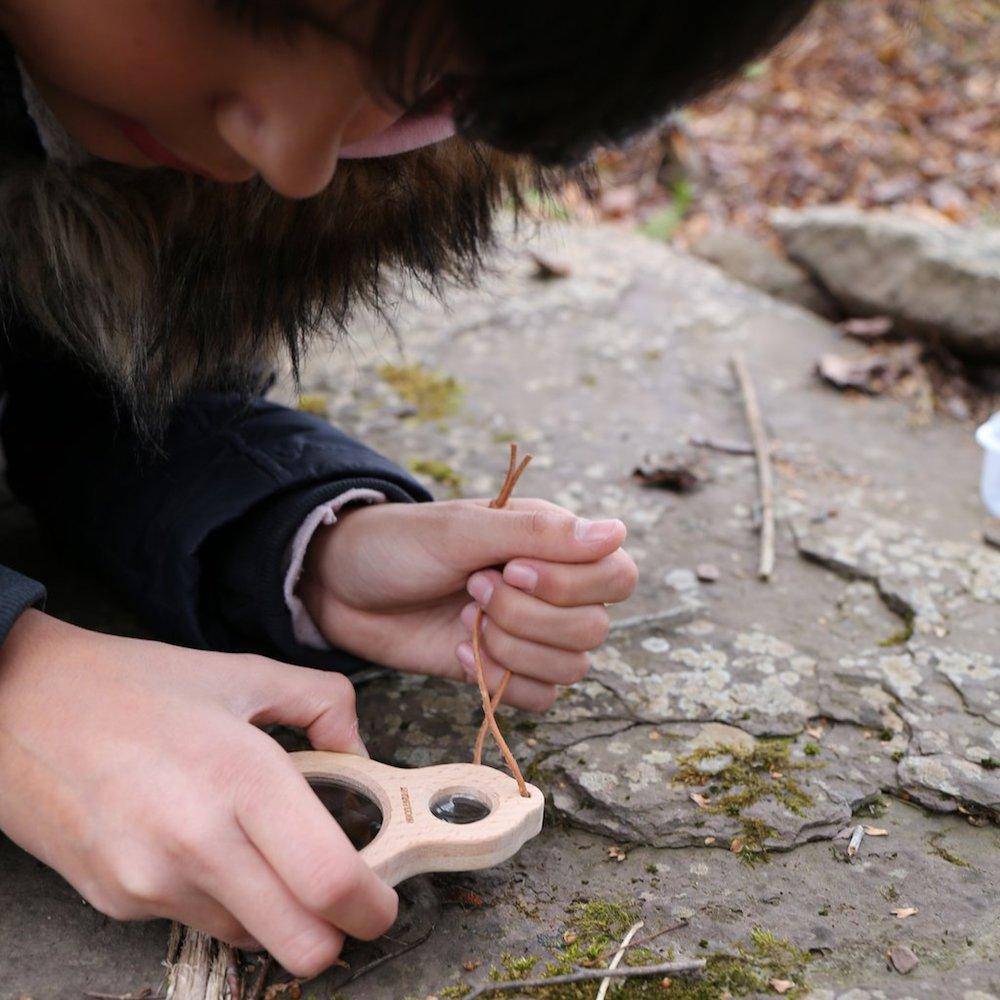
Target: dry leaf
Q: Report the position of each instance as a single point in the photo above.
(872, 373)
(737, 845)
(547, 270)
(617, 854)
(781, 985)
(471, 966)
(681, 472)
(709, 841)
(816, 732)
(876, 831)
(869, 328)
(665, 983)
(569, 937)
(904, 911)
(701, 801)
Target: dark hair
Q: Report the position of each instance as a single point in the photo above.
(552, 81)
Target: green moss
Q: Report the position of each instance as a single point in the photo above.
(315, 403)
(454, 992)
(875, 807)
(765, 771)
(898, 755)
(989, 763)
(901, 636)
(754, 841)
(945, 854)
(432, 394)
(811, 750)
(440, 472)
(593, 934)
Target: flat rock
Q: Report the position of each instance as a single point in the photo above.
(750, 261)
(933, 280)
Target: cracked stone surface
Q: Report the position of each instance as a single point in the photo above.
(870, 661)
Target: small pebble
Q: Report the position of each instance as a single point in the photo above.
(707, 572)
(902, 959)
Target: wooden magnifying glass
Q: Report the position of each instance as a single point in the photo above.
(406, 822)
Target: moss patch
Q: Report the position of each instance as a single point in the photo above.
(440, 472)
(432, 394)
(946, 855)
(593, 934)
(765, 771)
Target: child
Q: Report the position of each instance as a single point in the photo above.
(188, 186)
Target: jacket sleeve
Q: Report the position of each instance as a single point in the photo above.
(191, 532)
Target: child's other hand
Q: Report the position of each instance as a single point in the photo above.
(136, 771)
(399, 583)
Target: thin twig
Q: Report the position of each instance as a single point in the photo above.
(586, 975)
(490, 723)
(765, 473)
(381, 960)
(144, 994)
(602, 991)
(726, 447)
(643, 942)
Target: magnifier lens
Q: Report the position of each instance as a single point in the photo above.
(358, 816)
(459, 809)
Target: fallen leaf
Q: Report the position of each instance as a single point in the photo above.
(781, 985)
(709, 841)
(681, 472)
(876, 831)
(904, 911)
(471, 966)
(868, 328)
(902, 959)
(617, 854)
(654, 735)
(816, 732)
(737, 845)
(665, 983)
(872, 373)
(464, 897)
(547, 270)
(570, 937)
(701, 801)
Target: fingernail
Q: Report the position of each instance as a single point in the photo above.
(468, 614)
(520, 576)
(480, 588)
(466, 657)
(595, 531)
(357, 743)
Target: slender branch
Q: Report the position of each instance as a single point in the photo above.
(616, 961)
(382, 959)
(490, 723)
(586, 975)
(765, 473)
(726, 447)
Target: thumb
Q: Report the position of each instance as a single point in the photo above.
(320, 702)
(486, 535)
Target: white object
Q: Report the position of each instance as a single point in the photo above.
(988, 438)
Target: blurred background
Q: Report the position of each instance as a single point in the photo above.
(876, 103)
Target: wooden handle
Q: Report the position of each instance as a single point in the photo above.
(412, 840)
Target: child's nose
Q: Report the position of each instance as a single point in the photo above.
(289, 120)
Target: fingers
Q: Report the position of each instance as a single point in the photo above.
(607, 581)
(321, 702)
(528, 617)
(529, 659)
(246, 886)
(204, 914)
(473, 534)
(522, 692)
(318, 864)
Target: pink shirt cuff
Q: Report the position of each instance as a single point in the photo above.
(303, 627)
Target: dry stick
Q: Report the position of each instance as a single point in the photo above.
(765, 474)
(602, 991)
(490, 703)
(585, 975)
(257, 986)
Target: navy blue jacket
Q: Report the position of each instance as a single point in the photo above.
(192, 536)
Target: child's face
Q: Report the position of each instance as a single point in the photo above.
(182, 83)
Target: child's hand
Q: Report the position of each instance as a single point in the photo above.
(134, 769)
(391, 582)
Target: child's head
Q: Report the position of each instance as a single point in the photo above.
(282, 88)
(164, 278)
